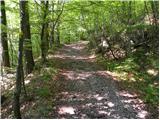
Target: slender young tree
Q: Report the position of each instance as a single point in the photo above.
(57, 35)
(20, 73)
(154, 11)
(19, 79)
(52, 29)
(4, 41)
(56, 23)
(44, 32)
(129, 12)
(27, 38)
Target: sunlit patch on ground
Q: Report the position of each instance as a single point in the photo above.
(142, 114)
(7, 81)
(126, 94)
(66, 110)
(110, 104)
(92, 56)
(107, 74)
(73, 57)
(100, 103)
(68, 52)
(137, 104)
(74, 75)
(99, 98)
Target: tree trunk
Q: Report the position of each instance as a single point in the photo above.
(19, 77)
(57, 22)
(154, 12)
(58, 36)
(44, 33)
(129, 13)
(105, 36)
(20, 72)
(27, 37)
(53, 26)
(52, 36)
(147, 11)
(5, 52)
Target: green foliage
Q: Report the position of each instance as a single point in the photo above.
(36, 45)
(46, 77)
(139, 26)
(151, 94)
(43, 92)
(126, 65)
(44, 110)
(77, 20)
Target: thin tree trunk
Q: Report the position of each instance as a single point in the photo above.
(11, 49)
(19, 77)
(44, 33)
(104, 34)
(155, 16)
(5, 51)
(27, 37)
(58, 36)
(52, 36)
(52, 29)
(56, 22)
(146, 8)
(130, 13)
(19, 73)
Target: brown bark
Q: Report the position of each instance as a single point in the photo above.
(57, 35)
(24, 34)
(4, 41)
(154, 12)
(27, 37)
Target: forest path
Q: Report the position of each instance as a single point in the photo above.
(86, 90)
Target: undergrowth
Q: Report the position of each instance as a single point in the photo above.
(137, 72)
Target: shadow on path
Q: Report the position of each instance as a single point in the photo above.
(87, 90)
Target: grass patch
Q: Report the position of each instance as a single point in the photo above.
(43, 92)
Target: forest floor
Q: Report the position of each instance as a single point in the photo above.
(78, 88)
